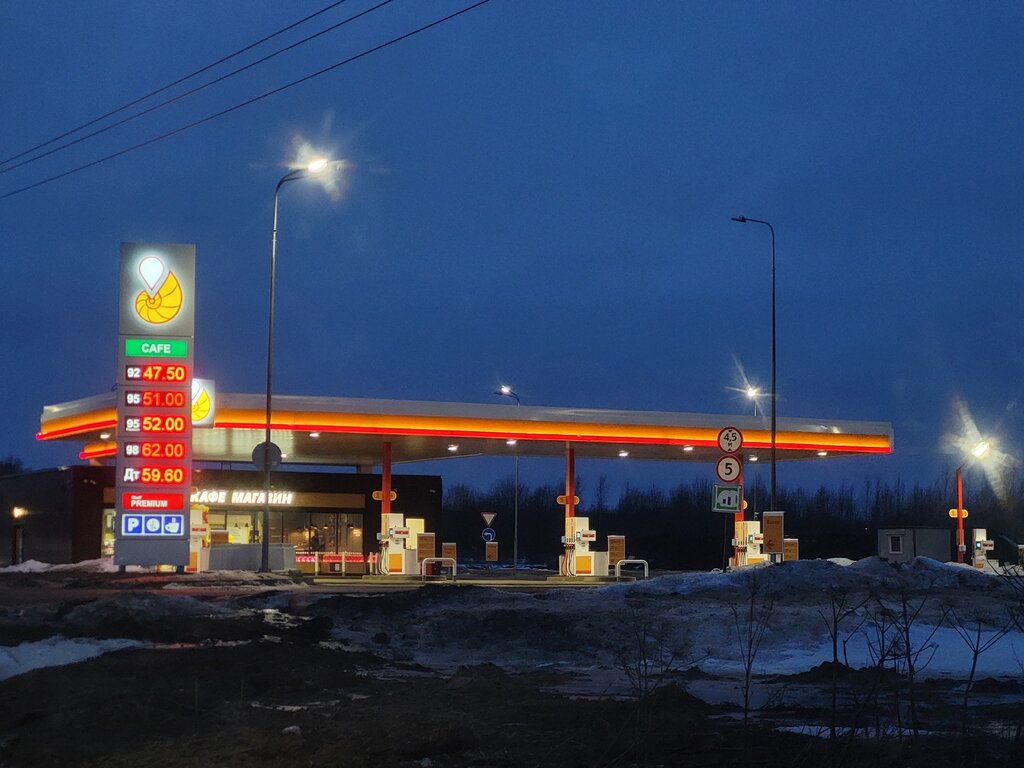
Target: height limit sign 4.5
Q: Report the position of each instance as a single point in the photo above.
(730, 440)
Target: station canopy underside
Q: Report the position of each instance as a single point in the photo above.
(346, 431)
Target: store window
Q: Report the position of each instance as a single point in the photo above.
(107, 543)
(232, 527)
(896, 544)
(331, 532)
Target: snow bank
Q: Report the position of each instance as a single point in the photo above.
(29, 566)
(101, 565)
(807, 576)
(55, 652)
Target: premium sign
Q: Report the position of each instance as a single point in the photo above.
(154, 403)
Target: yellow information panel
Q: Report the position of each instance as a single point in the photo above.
(616, 548)
(492, 551)
(425, 546)
(774, 538)
(449, 549)
(791, 549)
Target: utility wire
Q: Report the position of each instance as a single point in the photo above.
(247, 102)
(198, 88)
(171, 85)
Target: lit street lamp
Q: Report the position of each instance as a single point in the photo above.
(977, 452)
(752, 394)
(744, 220)
(506, 391)
(270, 453)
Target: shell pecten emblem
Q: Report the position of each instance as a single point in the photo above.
(161, 301)
(200, 401)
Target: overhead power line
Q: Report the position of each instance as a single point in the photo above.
(247, 102)
(179, 81)
(195, 90)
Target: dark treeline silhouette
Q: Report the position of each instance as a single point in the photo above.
(12, 465)
(676, 529)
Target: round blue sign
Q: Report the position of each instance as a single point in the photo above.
(489, 534)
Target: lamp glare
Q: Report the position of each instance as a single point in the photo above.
(317, 165)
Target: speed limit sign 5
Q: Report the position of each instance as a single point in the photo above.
(728, 469)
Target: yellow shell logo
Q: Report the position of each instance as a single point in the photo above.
(200, 402)
(161, 301)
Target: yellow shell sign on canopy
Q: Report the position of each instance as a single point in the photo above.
(204, 398)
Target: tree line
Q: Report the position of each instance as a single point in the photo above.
(676, 529)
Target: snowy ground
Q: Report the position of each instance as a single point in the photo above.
(489, 675)
(588, 630)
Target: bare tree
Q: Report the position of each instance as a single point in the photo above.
(978, 639)
(911, 655)
(751, 618)
(647, 653)
(841, 607)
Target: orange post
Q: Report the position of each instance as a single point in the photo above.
(570, 481)
(959, 515)
(385, 481)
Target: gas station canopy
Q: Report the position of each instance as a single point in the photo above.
(345, 431)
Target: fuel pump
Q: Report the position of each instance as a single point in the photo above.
(394, 557)
(577, 558)
(982, 545)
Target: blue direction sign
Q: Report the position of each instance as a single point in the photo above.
(489, 534)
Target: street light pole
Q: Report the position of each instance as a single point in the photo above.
(774, 398)
(268, 460)
(977, 452)
(506, 391)
(959, 514)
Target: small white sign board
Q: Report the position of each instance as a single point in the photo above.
(727, 498)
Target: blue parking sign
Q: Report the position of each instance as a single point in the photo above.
(131, 525)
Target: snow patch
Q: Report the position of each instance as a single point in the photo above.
(56, 651)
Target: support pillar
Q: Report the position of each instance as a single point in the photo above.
(570, 481)
(385, 481)
(959, 515)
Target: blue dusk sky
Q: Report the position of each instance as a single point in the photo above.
(537, 193)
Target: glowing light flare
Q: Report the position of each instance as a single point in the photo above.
(329, 174)
(975, 449)
(746, 387)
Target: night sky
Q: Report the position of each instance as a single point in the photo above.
(539, 193)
